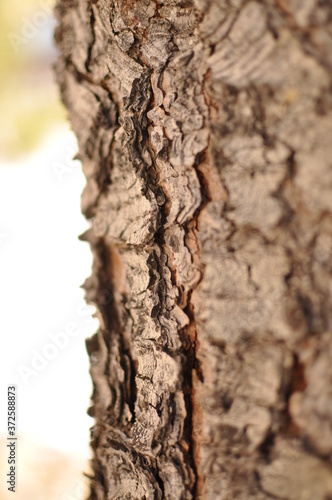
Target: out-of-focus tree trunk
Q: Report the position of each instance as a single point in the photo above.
(205, 133)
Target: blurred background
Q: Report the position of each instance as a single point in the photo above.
(44, 319)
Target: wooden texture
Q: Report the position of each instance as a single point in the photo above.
(205, 134)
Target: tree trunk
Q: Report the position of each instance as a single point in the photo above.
(205, 134)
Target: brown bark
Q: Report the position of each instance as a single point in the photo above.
(205, 134)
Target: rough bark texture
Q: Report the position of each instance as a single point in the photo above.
(205, 133)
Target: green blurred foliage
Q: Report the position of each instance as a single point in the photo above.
(29, 100)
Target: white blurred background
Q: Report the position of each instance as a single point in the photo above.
(44, 319)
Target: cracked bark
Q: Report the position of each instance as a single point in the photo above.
(204, 130)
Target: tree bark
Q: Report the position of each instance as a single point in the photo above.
(205, 134)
